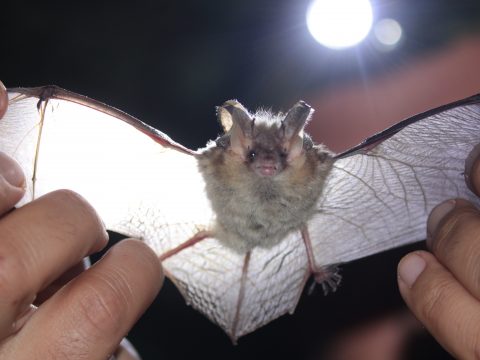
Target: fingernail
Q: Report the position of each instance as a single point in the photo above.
(472, 166)
(11, 171)
(410, 268)
(2, 87)
(437, 214)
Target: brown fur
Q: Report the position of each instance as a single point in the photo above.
(260, 211)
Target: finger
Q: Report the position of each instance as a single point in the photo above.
(59, 282)
(12, 182)
(454, 238)
(91, 314)
(441, 303)
(3, 100)
(39, 242)
(126, 351)
(472, 170)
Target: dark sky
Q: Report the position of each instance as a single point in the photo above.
(170, 64)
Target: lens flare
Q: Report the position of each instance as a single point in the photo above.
(339, 24)
(388, 32)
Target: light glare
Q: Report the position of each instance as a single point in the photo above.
(339, 23)
(388, 32)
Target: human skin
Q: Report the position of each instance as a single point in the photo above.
(442, 287)
(80, 313)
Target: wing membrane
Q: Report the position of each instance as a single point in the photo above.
(378, 196)
(145, 185)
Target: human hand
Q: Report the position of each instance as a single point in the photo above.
(443, 289)
(41, 247)
(3, 100)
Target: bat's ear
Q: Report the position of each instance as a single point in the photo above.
(236, 120)
(292, 127)
(232, 112)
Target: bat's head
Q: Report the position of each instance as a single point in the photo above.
(268, 143)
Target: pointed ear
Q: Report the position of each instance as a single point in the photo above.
(233, 112)
(292, 127)
(236, 120)
(296, 119)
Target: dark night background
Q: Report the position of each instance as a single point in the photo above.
(170, 64)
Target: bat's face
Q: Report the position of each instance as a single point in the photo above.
(267, 155)
(268, 143)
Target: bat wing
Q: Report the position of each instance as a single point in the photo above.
(379, 194)
(145, 185)
(64, 140)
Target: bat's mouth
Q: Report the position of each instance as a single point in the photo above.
(266, 170)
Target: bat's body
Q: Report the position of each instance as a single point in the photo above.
(263, 177)
(242, 224)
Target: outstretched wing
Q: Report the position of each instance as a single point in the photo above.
(145, 185)
(379, 194)
(119, 164)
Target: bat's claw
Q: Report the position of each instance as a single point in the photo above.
(328, 277)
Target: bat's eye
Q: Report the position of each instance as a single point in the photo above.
(251, 155)
(284, 154)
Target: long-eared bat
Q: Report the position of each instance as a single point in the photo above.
(242, 224)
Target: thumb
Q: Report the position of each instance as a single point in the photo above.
(12, 183)
(3, 100)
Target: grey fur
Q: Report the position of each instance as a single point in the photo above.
(254, 210)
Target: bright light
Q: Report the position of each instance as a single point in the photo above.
(339, 23)
(388, 32)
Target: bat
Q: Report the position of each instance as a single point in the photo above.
(242, 224)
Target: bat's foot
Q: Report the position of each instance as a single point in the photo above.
(328, 277)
